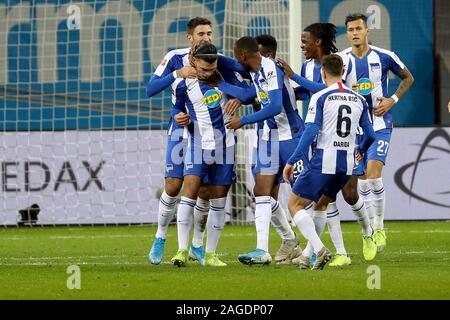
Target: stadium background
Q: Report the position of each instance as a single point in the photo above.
(73, 101)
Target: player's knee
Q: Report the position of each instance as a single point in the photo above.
(260, 191)
(350, 195)
(173, 187)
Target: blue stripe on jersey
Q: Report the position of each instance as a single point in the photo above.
(295, 122)
(271, 123)
(362, 71)
(317, 74)
(341, 161)
(215, 114)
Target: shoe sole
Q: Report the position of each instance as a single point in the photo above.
(179, 263)
(251, 262)
(322, 263)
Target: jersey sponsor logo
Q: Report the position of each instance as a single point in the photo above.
(263, 98)
(212, 98)
(364, 86)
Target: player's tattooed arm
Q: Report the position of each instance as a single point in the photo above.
(386, 104)
(406, 83)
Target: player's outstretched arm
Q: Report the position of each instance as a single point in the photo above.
(301, 152)
(227, 63)
(269, 111)
(311, 86)
(158, 84)
(246, 95)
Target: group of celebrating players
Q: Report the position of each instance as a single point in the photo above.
(341, 146)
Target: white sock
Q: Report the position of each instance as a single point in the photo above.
(200, 216)
(320, 220)
(365, 191)
(165, 214)
(185, 217)
(280, 222)
(334, 228)
(216, 222)
(309, 250)
(263, 213)
(359, 209)
(306, 226)
(379, 200)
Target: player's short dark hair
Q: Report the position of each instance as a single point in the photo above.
(333, 64)
(195, 22)
(325, 32)
(267, 41)
(206, 52)
(356, 16)
(247, 44)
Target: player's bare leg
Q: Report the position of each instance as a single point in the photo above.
(166, 213)
(264, 183)
(374, 177)
(185, 217)
(290, 245)
(307, 228)
(215, 224)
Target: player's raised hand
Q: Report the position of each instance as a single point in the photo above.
(182, 119)
(187, 72)
(286, 67)
(231, 106)
(233, 123)
(288, 173)
(384, 106)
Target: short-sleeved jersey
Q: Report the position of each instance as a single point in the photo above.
(369, 76)
(338, 111)
(204, 104)
(312, 71)
(288, 123)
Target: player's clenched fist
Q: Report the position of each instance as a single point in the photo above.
(384, 106)
(182, 119)
(187, 72)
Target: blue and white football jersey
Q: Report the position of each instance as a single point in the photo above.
(287, 124)
(369, 77)
(312, 71)
(338, 111)
(204, 104)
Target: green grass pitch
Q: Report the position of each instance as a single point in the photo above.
(113, 265)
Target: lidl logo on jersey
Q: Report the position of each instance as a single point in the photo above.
(364, 86)
(212, 98)
(263, 98)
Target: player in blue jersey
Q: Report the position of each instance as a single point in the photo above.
(318, 40)
(367, 72)
(278, 137)
(290, 247)
(334, 115)
(210, 152)
(175, 66)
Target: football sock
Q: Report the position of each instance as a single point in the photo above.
(359, 209)
(306, 226)
(334, 228)
(165, 213)
(200, 216)
(379, 200)
(263, 213)
(280, 222)
(365, 192)
(185, 217)
(216, 222)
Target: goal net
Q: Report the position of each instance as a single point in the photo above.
(81, 142)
